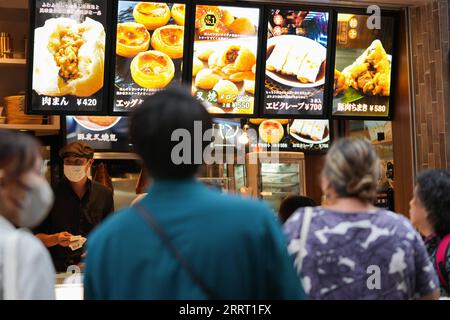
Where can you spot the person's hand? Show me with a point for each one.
(64, 238)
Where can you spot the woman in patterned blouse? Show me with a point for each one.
(351, 249)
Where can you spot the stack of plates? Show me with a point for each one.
(15, 111)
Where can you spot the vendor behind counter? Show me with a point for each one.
(80, 205)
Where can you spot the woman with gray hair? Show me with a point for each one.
(350, 249)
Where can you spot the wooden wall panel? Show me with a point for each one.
(430, 35)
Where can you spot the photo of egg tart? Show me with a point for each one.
(151, 14)
(132, 38)
(242, 58)
(169, 39)
(152, 69)
(226, 91)
(69, 57)
(178, 13)
(271, 131)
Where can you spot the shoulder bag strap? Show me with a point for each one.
(440, 262)
(10, 266)
(148, 217)
(307, 217)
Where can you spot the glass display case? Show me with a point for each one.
(273, 180)
(379, 133)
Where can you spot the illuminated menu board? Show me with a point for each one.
(103, 133)
(296, 60)
(363, 66)
(149, 50)
(303, 135)
(67, 56)
(225, 57)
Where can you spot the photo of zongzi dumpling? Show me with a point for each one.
(371, 71)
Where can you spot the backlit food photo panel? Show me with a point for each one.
(363, 66)
(68, 60)
(296, 60)
(149, 50)
(225, 56)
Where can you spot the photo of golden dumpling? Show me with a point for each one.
(151, 14)
(169, 39)
(243, 26)
(205, 54)
(215, 110)
(226, 91)
(178, 13)
(132, 38)
(213, 60)
(197, 65)
(241, 57)
(69, 57)
(249, 86)
(206, 79)
(152, 69)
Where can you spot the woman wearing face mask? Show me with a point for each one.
(26, 270)
(80, 205)
(429, 211)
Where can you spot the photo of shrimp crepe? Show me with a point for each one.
(68, 57)
(296, 54)
(225, 55)
(149, 50)
(310, 131)
(300, 58)
(290, 134)
(363, 64)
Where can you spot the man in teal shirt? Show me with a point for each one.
(235, 246)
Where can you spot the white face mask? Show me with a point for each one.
(37, 204)
(74, 173)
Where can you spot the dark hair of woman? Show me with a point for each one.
(291, 203)
(433, 190)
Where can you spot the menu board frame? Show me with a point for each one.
(188, 62)
(112, 71)
(326, 111)
(394, 69)
(102, 108)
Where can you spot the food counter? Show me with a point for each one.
(69, 286)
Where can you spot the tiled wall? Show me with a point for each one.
(430, 47)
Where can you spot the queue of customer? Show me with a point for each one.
(183, 240)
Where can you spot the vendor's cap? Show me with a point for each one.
(77, 149)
